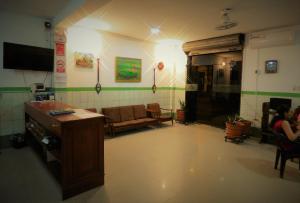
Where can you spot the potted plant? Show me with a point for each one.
(237, 126)
(234, 128)
(245, 124)
(180, 112)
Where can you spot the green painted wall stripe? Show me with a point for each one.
(89, 89)
(86, 89)
(82, 89)
(78, 89)
(179, 88)
(73, 89)
(273, 94)
(14, 89)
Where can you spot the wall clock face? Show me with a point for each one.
(160, 65)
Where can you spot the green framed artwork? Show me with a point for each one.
(128, 69)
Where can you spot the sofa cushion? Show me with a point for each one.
(113, 113)
(127, 123)
(146, 120)
(139, 111)
(126, 113)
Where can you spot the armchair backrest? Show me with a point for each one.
(154, 107)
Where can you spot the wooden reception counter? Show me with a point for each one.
(72, 145)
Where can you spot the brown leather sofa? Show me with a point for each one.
(127, 117)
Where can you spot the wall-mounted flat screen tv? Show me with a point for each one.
(24, 57)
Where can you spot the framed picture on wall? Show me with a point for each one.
(271, 66)
(128, 69)
(84, 60)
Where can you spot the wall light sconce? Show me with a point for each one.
(98, 85)
(154, 85)
(159, 66)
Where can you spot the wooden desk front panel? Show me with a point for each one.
(83, 155)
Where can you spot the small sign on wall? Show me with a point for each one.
(271, 66)
(60, 56)
(60, 49)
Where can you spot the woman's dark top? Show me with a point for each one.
(286, 143)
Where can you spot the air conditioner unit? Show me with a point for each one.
(270, 39)
(215, 45)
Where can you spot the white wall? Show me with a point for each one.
(286, 80)
(107, 47)
(23, 30)
(26, 30)
(180, 77)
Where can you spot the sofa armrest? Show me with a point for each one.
(169, 110)
(108, 120)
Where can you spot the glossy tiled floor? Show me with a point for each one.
(170, 164)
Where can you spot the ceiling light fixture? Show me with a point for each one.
(155, 30)
(226, 22)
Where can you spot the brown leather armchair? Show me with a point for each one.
(156, 112)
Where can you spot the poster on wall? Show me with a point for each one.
(60, 57)
(60, 49)
(128, 69)
(84, 60)
(60, 66)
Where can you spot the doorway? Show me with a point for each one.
(218, 78)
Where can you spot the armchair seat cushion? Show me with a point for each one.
(165, 118)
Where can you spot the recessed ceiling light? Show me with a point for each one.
(155, 30)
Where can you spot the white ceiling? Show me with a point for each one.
(184, 20)
(39, 8)
(189, 20)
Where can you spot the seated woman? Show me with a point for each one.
(281, 124)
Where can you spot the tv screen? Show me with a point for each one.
(277, 102)
(23, 57)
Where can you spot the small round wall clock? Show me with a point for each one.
(160, 65)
